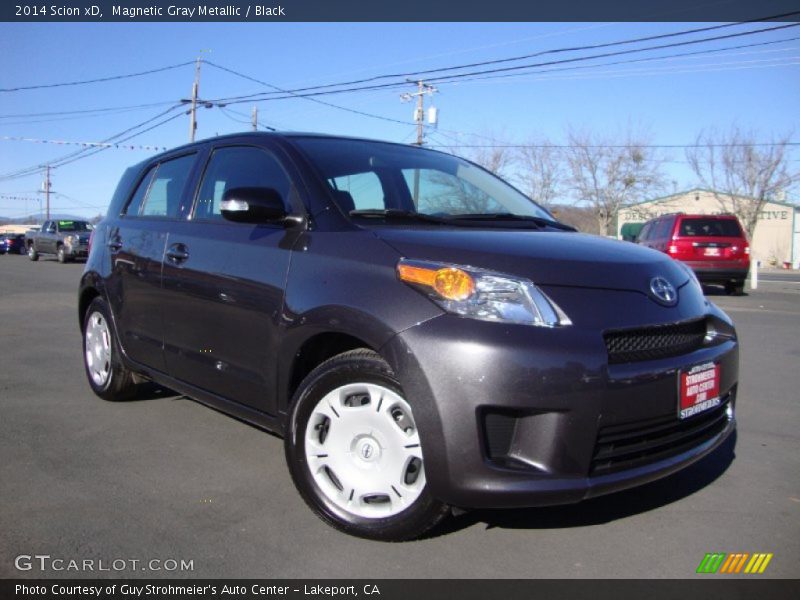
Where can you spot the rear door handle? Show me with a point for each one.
(177, 253)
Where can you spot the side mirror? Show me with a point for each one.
(255, 205)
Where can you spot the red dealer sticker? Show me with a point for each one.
(699, 389)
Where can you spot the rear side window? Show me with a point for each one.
(645, 233)
(662, 229)
(710, 228)
(234, 167)
(164, 195)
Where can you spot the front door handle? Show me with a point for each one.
(177, 253)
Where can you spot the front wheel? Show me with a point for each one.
(32, 253)
(108, 377)
(354, 451)
(62, 255)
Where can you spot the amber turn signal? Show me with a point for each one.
(450, 283)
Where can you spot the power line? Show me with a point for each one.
(418, 74)
(293, 95)
(308, 94)
(563, 146)
(71, 157)
(87, 110)
(631, 61)
(96, 80)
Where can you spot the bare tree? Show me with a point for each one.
(542, 171)
(742, 174)
(608, 173)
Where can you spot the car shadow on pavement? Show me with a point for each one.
(153, 391)
(717, 290)
(604, 508)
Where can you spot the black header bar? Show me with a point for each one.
(393, 10)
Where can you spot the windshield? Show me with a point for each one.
(367, 175)
(74, 226)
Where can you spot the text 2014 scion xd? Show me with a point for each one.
(422, 334)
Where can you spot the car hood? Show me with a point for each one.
(545, 257)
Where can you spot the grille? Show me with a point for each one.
(650, 343)
(621, 447)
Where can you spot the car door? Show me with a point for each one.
(224, 282)
(136, 246)
(47, 237)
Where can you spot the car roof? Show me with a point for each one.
(284, 135)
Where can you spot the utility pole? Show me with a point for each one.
(419, 113)
(46, 186)
(419, 116)
(255, 118)
(193, 109)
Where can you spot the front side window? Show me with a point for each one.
(235, 167)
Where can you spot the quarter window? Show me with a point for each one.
(135, 205)
(235, 167)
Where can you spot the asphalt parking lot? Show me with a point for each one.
(167, 478)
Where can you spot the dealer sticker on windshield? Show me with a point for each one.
(699, 389)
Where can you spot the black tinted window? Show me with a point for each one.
(238, 167)
(710, 228)
(662, 229)
(164, 196)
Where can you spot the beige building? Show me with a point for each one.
(777, 235)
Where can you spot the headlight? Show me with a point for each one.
(71, 240)
(484, 295)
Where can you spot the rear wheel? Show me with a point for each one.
(107, 376)
(354, 451)
(32, 253)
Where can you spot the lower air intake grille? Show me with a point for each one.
(651, 343)
(631, 445)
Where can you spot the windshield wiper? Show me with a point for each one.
(395, 213)
(541, 221)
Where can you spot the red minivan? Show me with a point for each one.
(714, 246)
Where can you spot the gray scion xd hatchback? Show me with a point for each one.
(422, 334)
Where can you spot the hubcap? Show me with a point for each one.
(97, 349)
(363, 450)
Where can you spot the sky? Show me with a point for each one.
(672, 100)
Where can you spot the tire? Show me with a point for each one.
(61, 254)
(32, 253)
(107, 376)
(350, 428)
(735, 288)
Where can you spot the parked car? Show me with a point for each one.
(422, 334)
(67, 239)
(714, 246)
(12, 243)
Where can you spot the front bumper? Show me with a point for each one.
(77, 251)
(517, 416)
